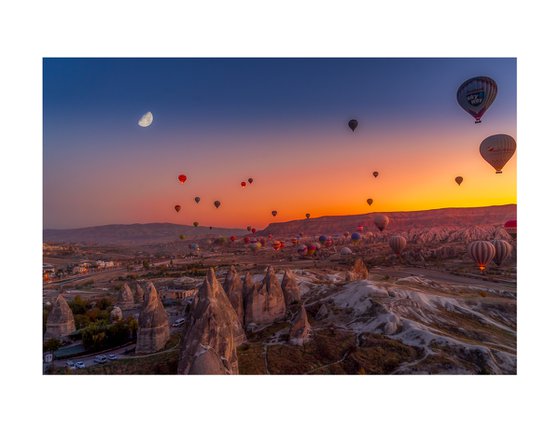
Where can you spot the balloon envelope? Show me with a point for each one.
(182, 178)
(476, 95)
(243, 184)
(503, 251)
(197, 199)
(381, 222)
(195, 224)
(459, 180)
(217, 204)
(307, 215)
(511, 228)
(375, 173)
(250, 180)
(397, 244)
(482, 252)
(274, 213)
(369, 201)
(177, 208)
(353, 124)
(497, 150)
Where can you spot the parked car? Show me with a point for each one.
(178, 322)
(100, 359)
(70, 363)
(79, 364)
(112, 357)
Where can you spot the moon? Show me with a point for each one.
(146, 120)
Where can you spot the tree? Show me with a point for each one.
(51, 345)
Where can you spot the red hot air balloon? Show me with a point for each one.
(476, 95)
(243, 184)
(511, 228)
(360, 228)
(397, 244)
(182, 178)
(254, 230)
(246, 239)
(250, 180)
(232, 238)
(353, 124)
(482, 252)
(177, 208)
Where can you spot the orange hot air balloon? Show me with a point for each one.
(217, 204)
(197, 199)
(177, 208)
(182, 178)
(497, 150)
(243, 184)
(250, 180)
(195, 224)
(274, 213)
(307, 215)
(369, 201)
(397, 244)
(375, 173)
(482, 252)
(381, 222)
(459, 180)
(503, 251)
(476, 95)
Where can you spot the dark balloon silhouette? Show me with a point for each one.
(177, 208)
(307, 215)
(217, 204)
(195, 224)
(476, 95)
(274, 213)
(459, 180)
(197, 199)
(353, 124)
(369, 201)
(375, 173)
(248, 228)
(250, 180)
(253, 230)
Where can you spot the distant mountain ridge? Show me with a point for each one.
(134, 234)
(453, 218)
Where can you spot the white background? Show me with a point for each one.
(30, 31)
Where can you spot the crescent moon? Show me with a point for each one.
(146, 120)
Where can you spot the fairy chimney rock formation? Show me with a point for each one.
(358, 272)
(234, 290)
(212, 334)
(265, 303)
(60, 321)
(139, 294)
(300, 331)
(290, 288)
(126, 299)
(153, 323)
(116, 314)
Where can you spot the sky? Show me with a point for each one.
(283, 122)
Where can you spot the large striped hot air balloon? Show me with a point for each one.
(397, 244)
(482, 252)
(476, 95)
(381, 222)
(497, 150)
(511, 228)
(503, 251)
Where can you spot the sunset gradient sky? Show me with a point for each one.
(282, 122)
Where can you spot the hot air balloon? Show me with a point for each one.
(276, 245)
(302, 250)
(181, 237)
(253, 230)
(193, 247)
(217, 204)
(246, 239)
(369, 201)
(307, 215)
(329, 242)
(497, 150)
(476, 95)
(503, 251)
(511, 228)
(182, 178)
(248, 228)
(243, 184)
(375, 173)
(177, 208)
(322, 239)
(360, 229)
(355, 237)
(197, 199)
(482, 253)
(381, 221)
(195, 223)
(270, 236)
(353, 124)
(397, 244)
(255, 246)
(459, 180)
(233, 238)
(274, 213)
(346, 234)
(250, 180)
(311, 249)
(210, 227)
